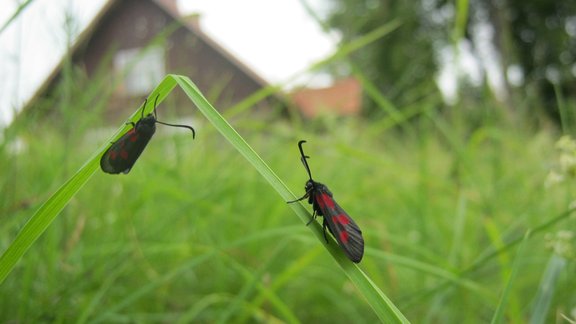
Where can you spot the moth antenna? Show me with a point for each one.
(155, 103)
(303, 158)
(143, 108)
(173, 125)
(181, 126)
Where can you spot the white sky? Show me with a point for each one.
(35, 42)
(292, 40)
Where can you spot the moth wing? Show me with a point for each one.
(342, 226)
(122, 155)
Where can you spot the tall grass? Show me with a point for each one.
(186, 236)
(51, 208)
(457, 220)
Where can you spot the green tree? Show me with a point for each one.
(538, 37)
(403, 63)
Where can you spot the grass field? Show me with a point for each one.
(194, 233)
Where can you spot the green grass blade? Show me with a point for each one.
(501, 308)
(44, 216)
(462, 8)
(149, 288)
(548, 285)
(381, 305)
(40, 221)
(298, 266)
(536, 230)
(253, 282)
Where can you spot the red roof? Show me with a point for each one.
(344, 97)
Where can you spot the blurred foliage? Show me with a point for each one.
(537, 36)
(400, 64)
(194, 233)
(186, 237)
(543, 35)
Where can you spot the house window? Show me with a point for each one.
(142, 69)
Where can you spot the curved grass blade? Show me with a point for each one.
(44, 216)
(498, 316)
(382, 306)
(40, 221)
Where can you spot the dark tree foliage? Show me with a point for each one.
(539, 36)
(401, 64)
(545, 35)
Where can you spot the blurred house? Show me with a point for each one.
(344, 97)
(133, 44)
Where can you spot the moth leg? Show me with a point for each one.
(313, 217)
(299, 199)
(306, 195)
(324, 225)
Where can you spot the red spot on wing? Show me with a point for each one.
(325, 201)
(113, 155)
(342, 219)
(124, 154)
(344, 237)
(134, 137)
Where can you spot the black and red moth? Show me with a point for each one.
(339, 223)
(123, 153)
